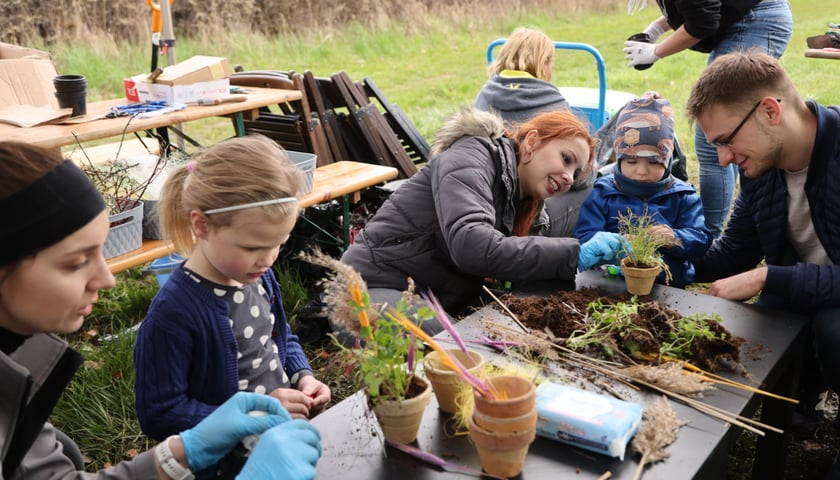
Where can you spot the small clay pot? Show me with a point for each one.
(445, 382)
(517, 397)
(639, 281)
(400, 420)
(501, 453)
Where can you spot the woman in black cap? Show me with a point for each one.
(54, 229)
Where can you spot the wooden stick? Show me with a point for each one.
(525, 329)
(723, 380)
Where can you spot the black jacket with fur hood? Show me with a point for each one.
(450, 226)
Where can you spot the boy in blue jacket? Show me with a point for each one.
(642, 183)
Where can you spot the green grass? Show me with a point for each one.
(97, 408)
(429, 70)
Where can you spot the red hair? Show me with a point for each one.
(548, 125)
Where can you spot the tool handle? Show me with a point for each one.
(219, 101)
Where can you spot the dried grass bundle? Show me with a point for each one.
(341, 282)
(535, 342)
(659, 429)
(670, 376)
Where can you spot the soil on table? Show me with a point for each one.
(567, 312)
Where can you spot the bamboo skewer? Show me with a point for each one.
(723, 380)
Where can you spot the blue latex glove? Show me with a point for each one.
(602, 247)
(288, 451)
(206, 443)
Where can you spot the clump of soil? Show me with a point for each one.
(569, 313)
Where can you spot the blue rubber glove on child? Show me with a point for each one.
(602, 247)
(209, 441)
(288, 451)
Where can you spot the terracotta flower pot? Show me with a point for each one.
(506, 424)
(639, 281)
(445, 383)
(517, 397)
(501, 453)
(400, 420)
(503, 428)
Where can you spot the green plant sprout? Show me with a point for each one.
(386, 363)
(606, 321)
(640, 246)
(687, 330)
(614, 325)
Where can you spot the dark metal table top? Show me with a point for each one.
(353, 446)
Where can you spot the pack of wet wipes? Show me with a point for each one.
(588, 420)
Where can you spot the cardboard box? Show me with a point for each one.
(27, 76)
(197, 78)
(195, 69)
(138, 89)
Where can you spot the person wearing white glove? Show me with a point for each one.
(715, 27)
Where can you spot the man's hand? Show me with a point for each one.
(741, 287)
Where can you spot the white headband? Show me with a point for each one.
(251, 205)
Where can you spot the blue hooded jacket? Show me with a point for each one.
(677, 206)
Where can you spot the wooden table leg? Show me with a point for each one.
(345, 220)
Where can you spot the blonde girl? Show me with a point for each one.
(218, 326)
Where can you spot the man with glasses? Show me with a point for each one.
(787, 213)
(716, 27)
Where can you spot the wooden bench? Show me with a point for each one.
(344, 180)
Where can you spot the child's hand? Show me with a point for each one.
(317, 391)
(295, 401)
(664, 233)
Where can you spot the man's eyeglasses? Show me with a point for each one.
(727, 142)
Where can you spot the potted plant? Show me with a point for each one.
(642, 260)
(122, 193)
(386, 355)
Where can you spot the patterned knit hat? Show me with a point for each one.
(645, 130)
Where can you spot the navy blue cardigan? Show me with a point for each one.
(185, 356)
(757, 228)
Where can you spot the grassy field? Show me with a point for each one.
(429, 72)
(429, 68)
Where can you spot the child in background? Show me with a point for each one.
(520, 79)
(642, 182)
(217, 326)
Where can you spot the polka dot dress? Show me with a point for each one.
(252, 322)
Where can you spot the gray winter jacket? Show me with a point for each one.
(24, 374)
(518, 98)
(450, 226)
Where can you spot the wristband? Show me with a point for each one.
(169, 464)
